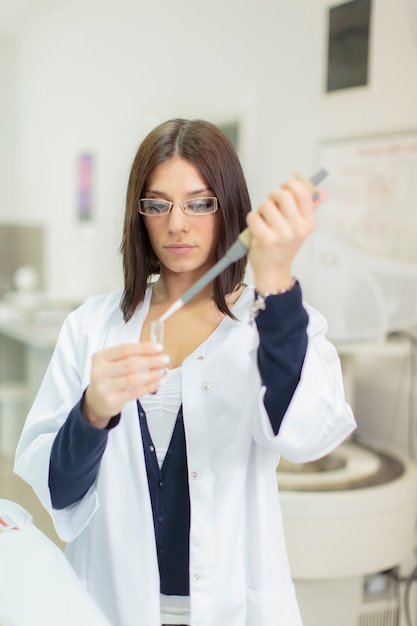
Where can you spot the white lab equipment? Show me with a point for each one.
(363, 296)
(347, 518)
(38, 587)
(350, 520)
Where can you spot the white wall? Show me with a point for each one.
(94, 76)
(7, 126)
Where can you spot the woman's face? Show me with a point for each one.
(183, 243)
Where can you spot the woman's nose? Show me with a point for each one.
(177, 219)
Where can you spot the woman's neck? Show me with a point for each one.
(167, 290)
(165, 293)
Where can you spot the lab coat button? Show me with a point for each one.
(200, 358)
(196, 577)
(194, 474)
(208, 387)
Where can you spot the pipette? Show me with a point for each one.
(234, 253)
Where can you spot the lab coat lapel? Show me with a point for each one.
(130, 331)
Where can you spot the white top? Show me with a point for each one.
(161, 411)
(175, 610)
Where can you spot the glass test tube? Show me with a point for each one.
(157, 332)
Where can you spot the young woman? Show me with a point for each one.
(158, 463)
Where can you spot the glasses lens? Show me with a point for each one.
(154, 207)
(201, 206)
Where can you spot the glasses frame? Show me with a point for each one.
(170, 206)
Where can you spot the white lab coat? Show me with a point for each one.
(239, 572)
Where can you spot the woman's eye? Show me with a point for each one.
(156, 208)
(200, 205)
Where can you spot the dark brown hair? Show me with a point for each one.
(207, 148)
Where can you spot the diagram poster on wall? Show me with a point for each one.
(372, 193)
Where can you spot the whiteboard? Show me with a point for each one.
(372, 193)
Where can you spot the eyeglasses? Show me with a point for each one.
(195, 206)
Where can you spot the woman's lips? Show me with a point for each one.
(179, 248)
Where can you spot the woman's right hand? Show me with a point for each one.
(120, 374)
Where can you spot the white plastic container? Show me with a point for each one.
(38, 586)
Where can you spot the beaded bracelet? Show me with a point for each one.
(259, 303)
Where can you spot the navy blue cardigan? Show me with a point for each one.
(78, 448)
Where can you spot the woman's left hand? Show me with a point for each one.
(278, 229)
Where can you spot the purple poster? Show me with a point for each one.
(85, 162)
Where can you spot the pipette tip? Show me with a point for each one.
(172, 309)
